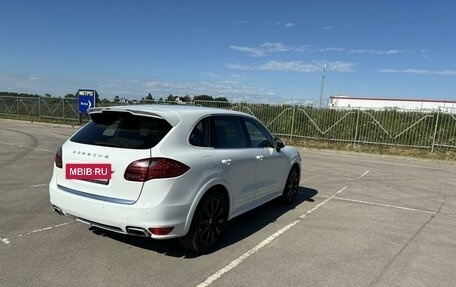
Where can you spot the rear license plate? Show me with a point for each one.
(97, 171)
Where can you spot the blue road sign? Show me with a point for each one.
(86, 99)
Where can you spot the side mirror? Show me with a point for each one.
(279, 144)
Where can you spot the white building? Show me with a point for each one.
(344, 102)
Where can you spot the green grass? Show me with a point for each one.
(438, 154)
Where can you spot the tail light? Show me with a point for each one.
(58, 158)
(150, 168)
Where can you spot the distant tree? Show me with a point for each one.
(203, 98)
(149, 97)
(161, 99)
(116, 99)
(221, 99)
(48, 95)
(171, 98)
(186, 99)
(69, 96)
(22, 95)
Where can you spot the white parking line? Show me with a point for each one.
(244, 256)
(382, 204)
(27, 147)
(263, 243)
(8, 240)
(39, 185)
(364, 174)
(323, 202)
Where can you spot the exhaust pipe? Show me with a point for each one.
(58, 210)
(138, 231)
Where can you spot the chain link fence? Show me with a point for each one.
(405, 128)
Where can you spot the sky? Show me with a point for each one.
(256, 51)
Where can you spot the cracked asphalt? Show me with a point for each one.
(360, 220)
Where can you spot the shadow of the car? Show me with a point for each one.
(251, 222)
(238, 229)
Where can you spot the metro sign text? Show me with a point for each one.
(88, 171)
(85, 93)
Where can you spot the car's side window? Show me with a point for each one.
(228, 133)
(200, 134)
(259, 136)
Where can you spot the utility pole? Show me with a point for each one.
(323, 74)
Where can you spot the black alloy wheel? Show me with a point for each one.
(291, 187)
(208, 225)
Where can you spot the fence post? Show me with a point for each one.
(435, 132)
(17, 106)
(63, 103)
(39, 107)
(356, 128)
(292, 122)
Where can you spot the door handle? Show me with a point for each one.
(226, 161)
(259, 157)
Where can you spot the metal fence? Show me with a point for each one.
(405, 128)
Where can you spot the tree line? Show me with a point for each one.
(185, 99)
(117, 99)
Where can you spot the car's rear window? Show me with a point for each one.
(123, 130)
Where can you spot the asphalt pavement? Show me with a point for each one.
(359, 220)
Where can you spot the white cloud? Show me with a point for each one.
(446, 72)
(416, 71)
(340, 66)
(267, 48)
(211, 75)
(286, 25)
(420, 72)
(254, 52)
(226, 87)
(277, 47)
(36, 77)
(295, 66)
(289, 25)
(388, 71)
(239, 66)
(328, 49)
(377, 52)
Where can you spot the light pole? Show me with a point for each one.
(323, 74)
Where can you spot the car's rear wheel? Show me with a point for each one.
(208, 224)
(291, 186)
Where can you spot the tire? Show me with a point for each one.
(208, 224)
(291, 186)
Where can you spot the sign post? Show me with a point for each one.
(86, 100)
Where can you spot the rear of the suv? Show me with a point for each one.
(171, 171)
(145, 194)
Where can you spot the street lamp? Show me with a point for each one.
(323, 74)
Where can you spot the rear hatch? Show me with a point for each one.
(115, 137)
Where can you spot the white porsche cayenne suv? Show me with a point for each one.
(165, 171)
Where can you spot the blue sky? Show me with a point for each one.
(254, 51)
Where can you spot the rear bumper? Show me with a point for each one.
(118, 217)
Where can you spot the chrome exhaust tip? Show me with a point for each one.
(58, 210)
(137, 231)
